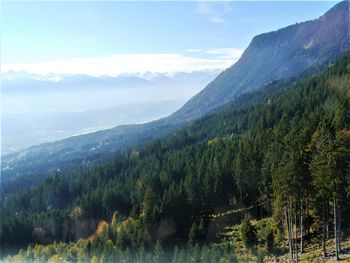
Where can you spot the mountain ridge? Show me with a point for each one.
(216, 94)
(289, 50)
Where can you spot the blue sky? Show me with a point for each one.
(118, 37)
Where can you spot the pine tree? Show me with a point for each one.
(193, 234)
(248, 233)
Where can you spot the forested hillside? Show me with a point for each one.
(280, 155)
(280, 54)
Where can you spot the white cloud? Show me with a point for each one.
(216, 20)
(133, 63)
(214, 11)
(194, 50)
(225, 52)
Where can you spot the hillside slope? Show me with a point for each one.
(275, 55)
(283, 145)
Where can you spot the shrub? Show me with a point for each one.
(248, 233)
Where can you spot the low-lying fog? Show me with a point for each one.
(37, 109)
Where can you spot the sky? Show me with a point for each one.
(111, 38)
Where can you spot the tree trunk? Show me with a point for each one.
(301, 227)
(291, 227)
(296, 234)
(339, 230)
(288, 229)
(335, 227)
(327, 220)
(324, 229)
(307, 218)
(240, 197)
